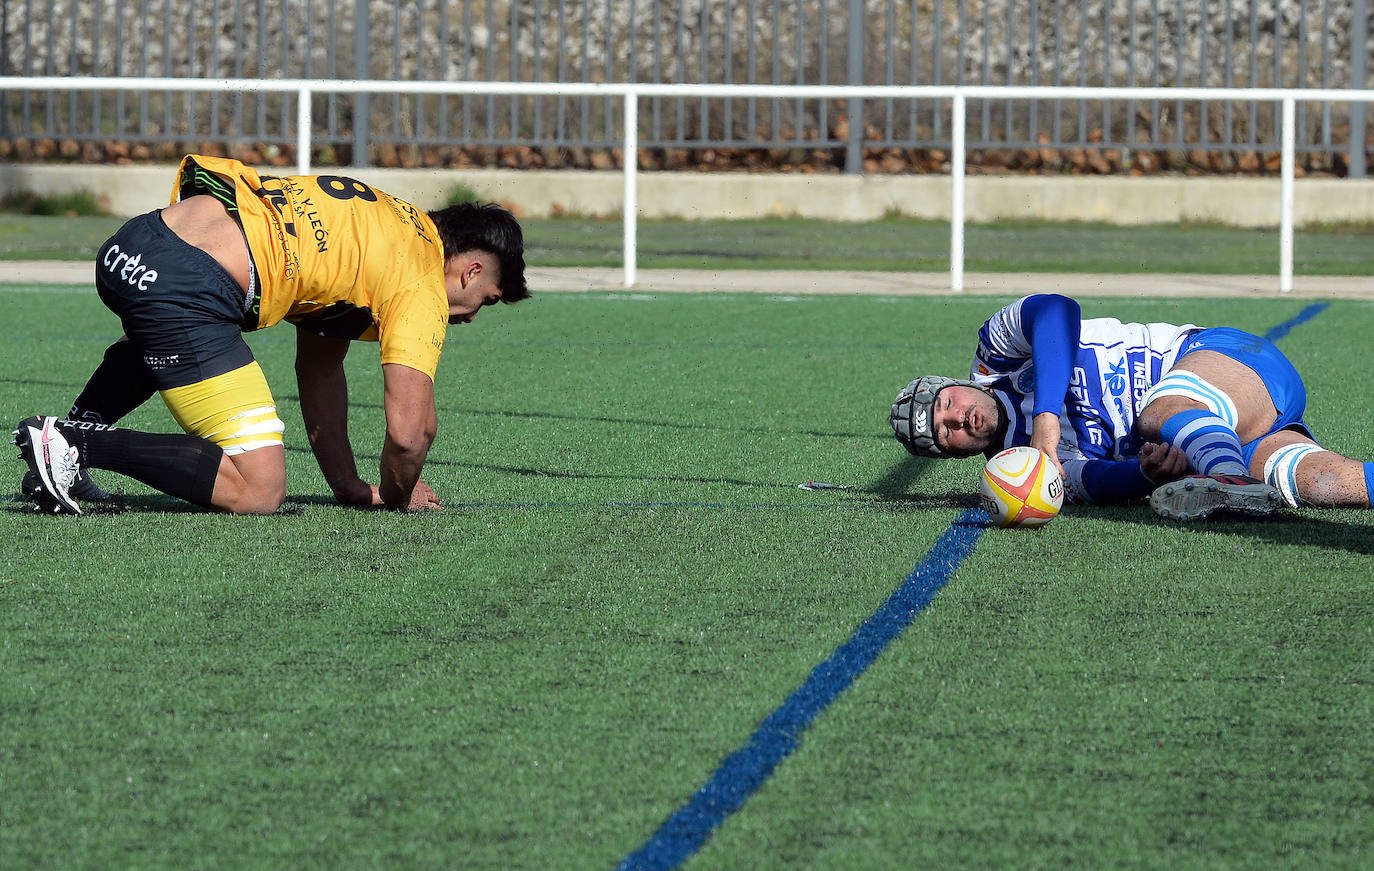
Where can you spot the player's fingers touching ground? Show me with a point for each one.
(423, 498)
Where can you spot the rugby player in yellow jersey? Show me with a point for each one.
(238, 251)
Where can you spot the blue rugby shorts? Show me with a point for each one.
(1262, 356)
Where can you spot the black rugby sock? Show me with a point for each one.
(118, 385)
(178, 464)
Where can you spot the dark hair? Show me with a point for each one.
(490, 228)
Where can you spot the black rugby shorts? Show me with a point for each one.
(181, 309)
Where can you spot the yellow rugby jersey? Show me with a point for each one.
(334, 256)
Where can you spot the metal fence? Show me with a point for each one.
(1110, 43)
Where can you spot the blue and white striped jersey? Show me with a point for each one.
(1113, 365)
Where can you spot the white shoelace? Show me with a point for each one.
(64, 468)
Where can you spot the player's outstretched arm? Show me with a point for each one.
(1052, 324)
(411, 423)
(324, 408)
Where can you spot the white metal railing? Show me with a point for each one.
(631, 93)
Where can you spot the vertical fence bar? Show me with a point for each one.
(215, 68)
(560, 106)
(776, 105)
(119, 69)
(1203, 68)
(1302, 63)
(143, 68)
(395, 72)
(1326, 77)
(889, 132)
(513, 40)
(956, 195)
(190, 100)
(1254, 75)
(798, 107)
(1107, 41)
(936, 54)
(441, 126)
(303, 124)
(167, 71)
(286, 71)
(823, 73)
(1008, 106)
(681, 50)
(703, 73)
(74, 70)
(608, 73)
(332, 108)
(258, 67)
(96, 99)
(6, 66)
(727, 60)
(584, 118)
(1228, 79)
(1154, 71)
(1359, 37)
(655, 75)
(537, 111)
(1033, 108)
(853, 149)
(239, 130)
(985, 78)
(1181, 35)
(361, 70)
(1286, 196)
(914, 69)
(751, 63)
(631, 160)
(1130, 72)
(467, 69)
(1057, 121)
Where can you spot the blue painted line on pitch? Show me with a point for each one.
(744, 771)
(1302, 317)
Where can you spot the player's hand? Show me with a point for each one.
(1163, 463)
(1045, 436)
(358, 494)
(423, 498)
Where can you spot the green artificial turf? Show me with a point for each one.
(627, 581)
(891, 244)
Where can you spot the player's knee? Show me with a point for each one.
(1153, 416)
(256, 484)
(1148, 422)
(268, 504)
(268, 496)
(257, 499)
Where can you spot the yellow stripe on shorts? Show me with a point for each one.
(234, 410)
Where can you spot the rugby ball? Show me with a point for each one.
(1021, 488)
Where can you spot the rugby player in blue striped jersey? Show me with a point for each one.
(1199, 420)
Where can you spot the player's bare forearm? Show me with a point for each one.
(1045, 436)
(400, 473)
(323, 391)
(411, 424)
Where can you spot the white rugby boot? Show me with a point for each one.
(52, 460)
(84, 488)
